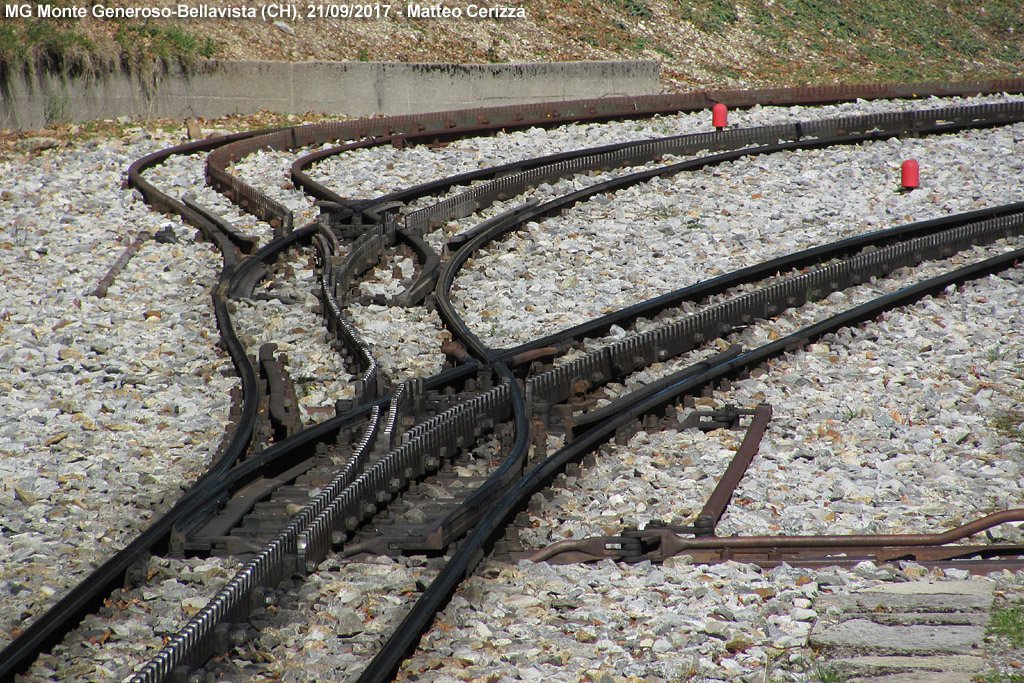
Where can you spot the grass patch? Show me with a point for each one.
(996, 677)
(890, 39)
(55, 111)
(994, 354)
(711, 16)
(1002, 16)
(634, 8)
(10, 44)
(664, 51)
(610, 33)
(1008, 424)
(60, 47)
(826, 673)
(851, 414)
(49, 45)
(1009, 623)
(141, 43)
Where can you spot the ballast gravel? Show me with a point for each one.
(108, 406)
(112, 405)
(869, 435)
(650, 239)
(283, 312)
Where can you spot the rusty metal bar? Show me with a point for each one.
(283, 404)
(577, 550)
(119, 265)
(720, 497)
(659, 544)
(673, 544)
(854, 554)
(977, 559)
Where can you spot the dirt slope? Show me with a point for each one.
(699, 42)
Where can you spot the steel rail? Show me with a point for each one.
(194, 643)
(539, 386)
(60, 619)
(387, 661)
(555, 206)
(630, 107)
(234, 279)
(437, 126)
(429, 189)
(657, 544)
(673, 544)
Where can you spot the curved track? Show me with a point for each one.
(392, 438)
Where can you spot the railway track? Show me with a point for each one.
(438, 466)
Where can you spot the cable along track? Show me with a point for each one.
(399, 439)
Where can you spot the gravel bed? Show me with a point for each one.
(132, 627)
(115, 399)
(186, 174)
(641, 242)
(618, 623)
(269, 171)
(842, 461)
(289, 319)
(327, 628)
(405, 341)
(62, 353)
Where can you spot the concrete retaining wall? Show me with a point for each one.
(340, 88)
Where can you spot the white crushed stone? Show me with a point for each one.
(611, 622)
(290, 321)
(648, 240)
(108, 407)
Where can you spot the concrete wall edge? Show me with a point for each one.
(216, 88)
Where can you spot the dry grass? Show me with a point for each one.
(713, 43)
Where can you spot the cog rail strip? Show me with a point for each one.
(389, 452)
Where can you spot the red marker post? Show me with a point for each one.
(910, 175)
(719, 116)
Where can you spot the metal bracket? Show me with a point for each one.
(719, 418)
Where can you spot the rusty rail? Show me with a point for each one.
(427, 127)
(446, 125)
(720, 497)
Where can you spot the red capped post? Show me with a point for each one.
(910, 175)
(719, 116)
